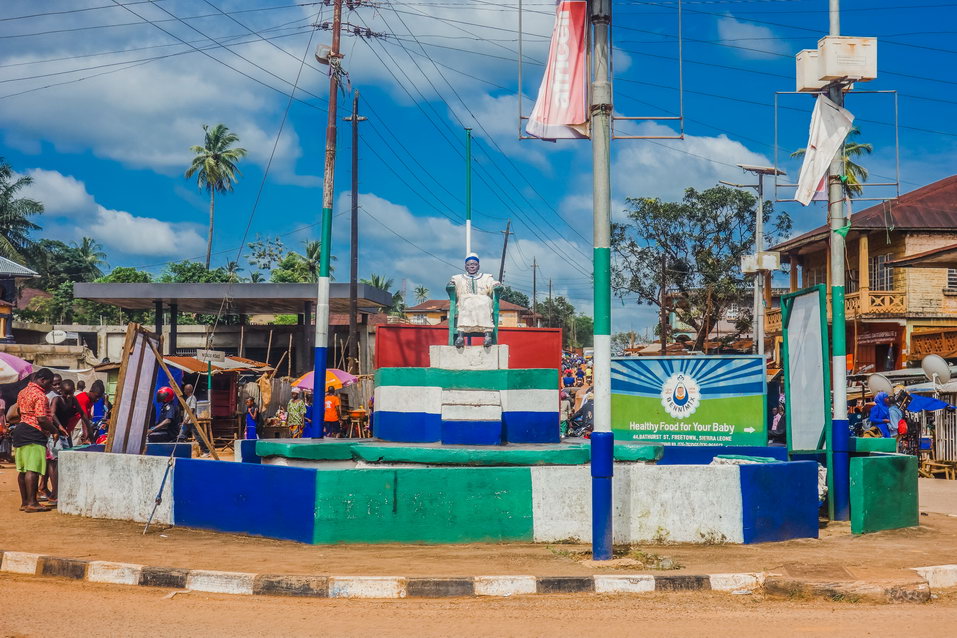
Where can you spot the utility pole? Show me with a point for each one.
(840, 436)
(501, 266)
(663, 303)
(468, 191)
(320, 353)
(602, 440)
(550, 302)
(355, 118)
(535, 290)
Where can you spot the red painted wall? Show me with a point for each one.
(407, 346)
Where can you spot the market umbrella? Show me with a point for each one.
(13, 369)
(334, 377)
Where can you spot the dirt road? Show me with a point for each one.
(86, 609)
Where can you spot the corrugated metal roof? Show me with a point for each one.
(10, 267)
(230, 364)
(931, 207)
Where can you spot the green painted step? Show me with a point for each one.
(517, 379)
(331, 450)
(637, 452)
(474, 456)
(873, 444)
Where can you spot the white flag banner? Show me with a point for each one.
(830, 125)
(560, 110)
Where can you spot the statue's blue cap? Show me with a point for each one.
(471, 257)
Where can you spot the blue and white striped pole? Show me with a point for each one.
(320, 358)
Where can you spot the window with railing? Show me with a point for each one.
(853, 278)
(816, 276)
(881, 275)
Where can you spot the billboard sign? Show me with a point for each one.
(696, 400)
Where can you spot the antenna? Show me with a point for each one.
(877, 383)
(936, 369)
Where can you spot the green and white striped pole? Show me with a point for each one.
(468, 191)
(602, 441)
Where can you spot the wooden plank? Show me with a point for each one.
(120, 384)
(182, 401)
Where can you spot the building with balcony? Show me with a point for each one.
(885, 304)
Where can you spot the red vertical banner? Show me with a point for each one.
(560, 110)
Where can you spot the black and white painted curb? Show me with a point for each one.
(220, 582)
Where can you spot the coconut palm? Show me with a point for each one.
(378, 281)
(233, 269)
(91, 254)
(15, 213)
(214, 166)
(421, 294)
(856, 174)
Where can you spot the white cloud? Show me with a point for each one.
(76, 213)
(759, 42)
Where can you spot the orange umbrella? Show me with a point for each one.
(334, 377)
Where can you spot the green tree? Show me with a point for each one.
(518, 298)
(265, 252)
(15, 215)
(698, 243)
(233, 269)
(397, 306)
(57, 263)
(856, 173)
(214, 165)
(421, 294)
(92, 256)
(193, 272)
(300, 267)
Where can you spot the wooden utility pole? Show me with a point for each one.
(501, 266)
(353, 363)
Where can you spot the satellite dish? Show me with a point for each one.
(877, 383)
(935, 368)
(55, 337)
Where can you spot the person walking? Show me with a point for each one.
(30, 438)
(187, 428)
(252, 418)
(331, 413)
(296, 416)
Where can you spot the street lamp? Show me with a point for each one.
(757, 263)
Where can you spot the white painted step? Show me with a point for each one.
(469, 357)
(471, 413)
(471, 397)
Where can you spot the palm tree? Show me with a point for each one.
(421, 294)
(256, 278)
(233, 269)
(92, 256)
(378, 281)
(15, 213)
(856, 174)
(214, 166)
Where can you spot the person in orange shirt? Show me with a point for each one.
(331, 413)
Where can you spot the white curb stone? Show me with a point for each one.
(939, 575)
(504, 585)
(731, 582)
(366, 587)
(19, 563)
(220, 582)
(620, 584)
(101, 571)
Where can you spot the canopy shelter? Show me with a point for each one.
(228, 364)
(228, 299)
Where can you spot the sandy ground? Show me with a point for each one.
(87, 609)
(938, 495)
(836, 553)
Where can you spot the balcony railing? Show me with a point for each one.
(870, 304)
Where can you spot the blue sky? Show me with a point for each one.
(99, 106)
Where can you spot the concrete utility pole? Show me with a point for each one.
(468, 191)
(328, 192)
(840, 435)
(550, 302)
(535, 290)
(501, 266)
(663, 307)
(602, 440)
(355, 118)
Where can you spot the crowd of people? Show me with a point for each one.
(50, 414)
(576, 410)
(297, 416)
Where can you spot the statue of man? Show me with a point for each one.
(473, 294)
